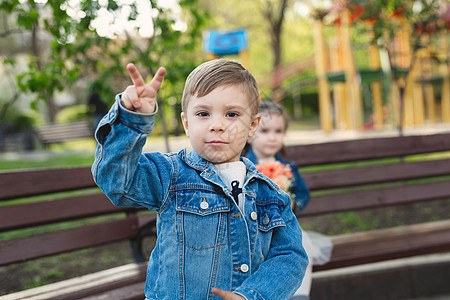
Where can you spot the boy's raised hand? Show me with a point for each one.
(141, 97)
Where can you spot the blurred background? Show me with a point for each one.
(336, 66)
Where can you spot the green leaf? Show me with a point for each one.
(33, 105)
(9, 61)
(112, 5)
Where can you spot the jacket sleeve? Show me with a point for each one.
(123, 173)
(281, 274)
(299, 189)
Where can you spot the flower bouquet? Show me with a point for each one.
(279, 173)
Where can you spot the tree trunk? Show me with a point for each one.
(51, 107)
(275, 17)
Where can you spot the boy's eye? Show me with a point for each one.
(202, 114)
(263, 130)
(232, 114)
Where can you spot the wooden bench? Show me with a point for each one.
(379, 172)
(57, 133)
(356, 186)
(116, 224)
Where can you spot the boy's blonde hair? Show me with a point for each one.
(220, 72)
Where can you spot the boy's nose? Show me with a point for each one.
(216, 125)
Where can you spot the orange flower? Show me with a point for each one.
(278, 172)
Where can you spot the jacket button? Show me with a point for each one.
(254, 215)
(204, 205)
(244, 268)
(266, 220)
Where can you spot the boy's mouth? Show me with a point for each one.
(216, 143)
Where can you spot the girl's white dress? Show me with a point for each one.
(319, 248)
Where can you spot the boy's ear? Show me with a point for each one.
(254, 125)
(185, 123)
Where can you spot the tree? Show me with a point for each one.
(76, 50)
(274, 13)
(264, 27)
(389, 17)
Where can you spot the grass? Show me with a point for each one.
(69, 154)
(50, 161)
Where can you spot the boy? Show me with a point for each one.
(224, 229)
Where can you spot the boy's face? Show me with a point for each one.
(268, 139)
(219, 124)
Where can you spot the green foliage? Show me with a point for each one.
(16, 121)
(72, 114)
(424, 16)
(77, 51)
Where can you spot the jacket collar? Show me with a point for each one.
(209, 171)
(194, 160)
(197, 162)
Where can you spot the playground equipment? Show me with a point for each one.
(411, 78)
(219, 43)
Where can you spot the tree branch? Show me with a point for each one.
(11, 101)
(7, 30)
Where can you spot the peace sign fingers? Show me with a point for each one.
(158, 79)
(141, 97)
(136, 77)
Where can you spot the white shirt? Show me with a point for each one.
(233, 175)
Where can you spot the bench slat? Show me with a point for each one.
(44, 181)
(124, 283)
(46, 212)
(68, 130)
(376, 148)
(391, 243)
(60, 241)
(64, 125)
(132, 292)
(64, 132)
(380, 197)
(357, 176)
(60, 137)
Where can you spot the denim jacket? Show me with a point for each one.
(204, 240)
(299, 189)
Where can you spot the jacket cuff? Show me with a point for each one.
(139, 121)
(248, 293)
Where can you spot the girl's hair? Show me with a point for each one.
(272, 107)
(220, 72)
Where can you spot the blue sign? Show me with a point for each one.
(222, 43)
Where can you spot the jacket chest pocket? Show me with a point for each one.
(269, 215)
(201, 219)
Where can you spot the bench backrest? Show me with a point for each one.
(388, 163)
(332, 191)
(52, 207)
(56, 133)
(376, 173)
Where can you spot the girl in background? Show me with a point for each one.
(265, 149)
